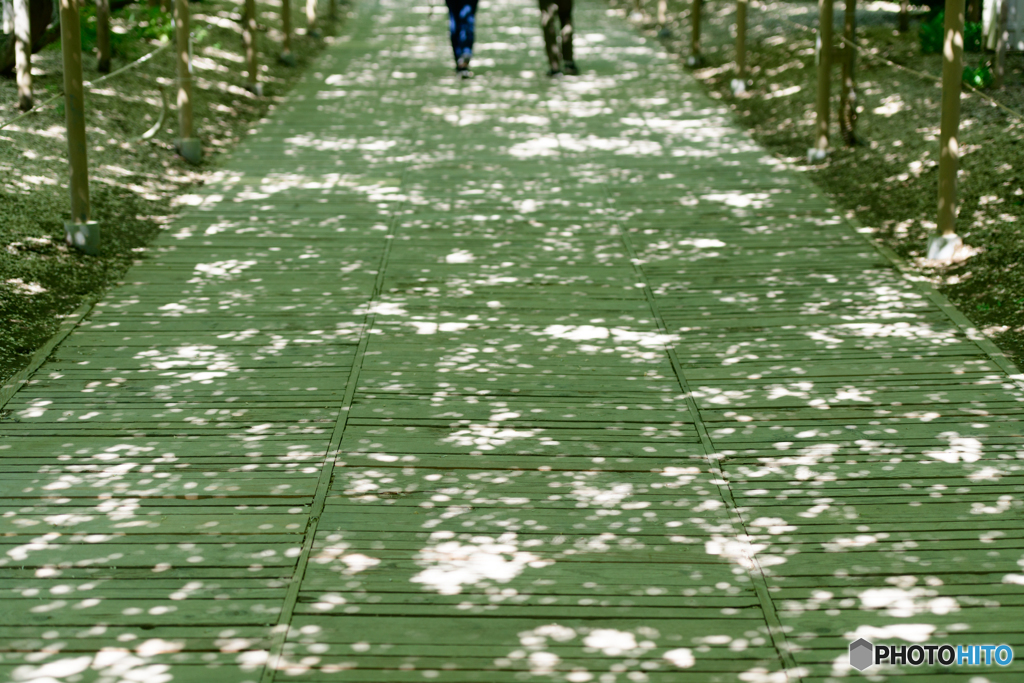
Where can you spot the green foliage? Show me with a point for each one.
(88, 19)
(932, 30)
(972, 36)
(930, 33)
(144, 24)
(979, 78)
(149, 23)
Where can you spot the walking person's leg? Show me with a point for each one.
(461, 20)
(549, 11)
(565, 18)
(468, 36)
(453, 24)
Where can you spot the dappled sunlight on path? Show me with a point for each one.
(506, 380)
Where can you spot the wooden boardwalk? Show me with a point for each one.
(508, 380)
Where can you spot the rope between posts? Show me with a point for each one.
(871, 55)
(91, 84)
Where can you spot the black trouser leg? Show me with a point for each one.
(549, 12)
(565, 18)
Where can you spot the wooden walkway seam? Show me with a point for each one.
(776, 629)
(66, 327)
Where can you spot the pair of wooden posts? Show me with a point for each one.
(945, 242)
(286, 55)
(81, 231)
(22, 52)
(23, 46)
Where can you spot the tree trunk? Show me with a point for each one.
(1002, 36)
(311, 29)
(74, 110)
(103, 36)
(286, 29)
(974, 10)
(848, 97)
(949, 148)
(824, 59)
(696, 58)
(741, 40)
(23, 53)
(249, 42)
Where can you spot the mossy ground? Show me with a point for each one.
(133, 183)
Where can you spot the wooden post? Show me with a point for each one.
(103, 36)
(1002, 37)
(249, 40)
(823, 56)
(80, 231)
(311, 29)
(695, 58)
(904, 16)
(663, 30)
(23, 53)
(944, 244)
(739, 84)
(848, 97)
(188, 145)
(332, 10)
(286, 56)
(973, 12)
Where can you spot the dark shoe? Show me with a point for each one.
(570, 69)
(555, 73)
(464, 73)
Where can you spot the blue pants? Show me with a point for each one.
(461, 21)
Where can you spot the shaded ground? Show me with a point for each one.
(134, 183)
(890, 182)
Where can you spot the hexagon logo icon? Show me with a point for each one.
(861, 654)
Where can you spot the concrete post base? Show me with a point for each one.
(190, 149)
(942, 247)
(83, 236)
(255, 88)
(694, 61)
(738, 86)
(816, 156)
(287, 58)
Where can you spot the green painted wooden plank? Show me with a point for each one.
(136, 611)
(18, 523)
(183, 673)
